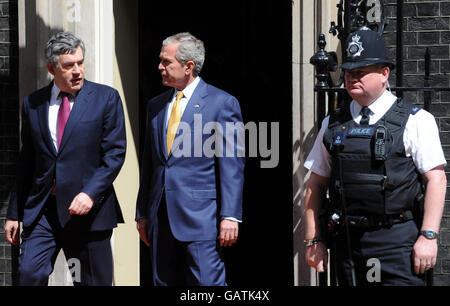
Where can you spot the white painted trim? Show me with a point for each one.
(104, 24)
(97, 54)
(104, 52)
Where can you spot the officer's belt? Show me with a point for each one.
(379, 220)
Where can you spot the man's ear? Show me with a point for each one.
(51, 68)
(190, 65)
(385, 71)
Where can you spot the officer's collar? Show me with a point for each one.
(379, 105)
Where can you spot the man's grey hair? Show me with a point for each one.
(190, 49)
(62, 43)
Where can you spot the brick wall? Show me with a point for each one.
(9, 126)
(426, 24)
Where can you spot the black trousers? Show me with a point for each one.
(381, 256)
(88, 254)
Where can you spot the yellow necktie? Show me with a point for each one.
(174, 122)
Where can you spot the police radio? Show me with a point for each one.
(380, 143)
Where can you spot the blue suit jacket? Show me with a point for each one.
(199, 189)
(91, 155)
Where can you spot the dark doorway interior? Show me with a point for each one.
(248, 54)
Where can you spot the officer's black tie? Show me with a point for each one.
(365, 111)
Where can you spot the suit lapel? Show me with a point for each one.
(80, 106)
(160, 128)
(195, 104)
(42, 111)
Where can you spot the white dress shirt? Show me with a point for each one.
(55, 103)
(420, 138)
(187, 94)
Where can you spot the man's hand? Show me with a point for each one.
(424, 254)
(142, 227)
(317, 256)
(81, 205)
(12, 231)
(229, 231)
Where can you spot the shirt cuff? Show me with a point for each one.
(232, 219)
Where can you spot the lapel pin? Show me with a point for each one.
(197, 106)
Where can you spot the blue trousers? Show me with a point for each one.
(177, 263)
(388, 249)
(89, 254)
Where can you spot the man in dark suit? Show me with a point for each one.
(190, 197)
(73, 147)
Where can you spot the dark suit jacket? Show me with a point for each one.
(198, 189)
(90, 157)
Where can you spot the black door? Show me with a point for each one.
(249, 55)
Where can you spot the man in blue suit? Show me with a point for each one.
(190, 201)
(73, 147)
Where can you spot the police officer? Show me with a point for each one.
(379, 157)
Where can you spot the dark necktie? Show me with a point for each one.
(365, 111)
(63, 116)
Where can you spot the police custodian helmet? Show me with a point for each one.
(365, 47)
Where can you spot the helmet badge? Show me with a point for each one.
(355, 47)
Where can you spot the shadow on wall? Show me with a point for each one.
(301, 150)
(127, 38)
(33, 75)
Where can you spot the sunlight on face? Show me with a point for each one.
(69, 71)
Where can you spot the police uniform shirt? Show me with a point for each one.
(421, 138)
